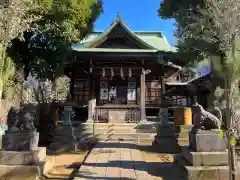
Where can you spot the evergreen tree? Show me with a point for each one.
(46, 49)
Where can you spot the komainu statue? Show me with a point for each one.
(20, 121)
(205, 120)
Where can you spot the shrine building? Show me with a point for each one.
(119, 75)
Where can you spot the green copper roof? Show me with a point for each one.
(152, 40)
(115, 50)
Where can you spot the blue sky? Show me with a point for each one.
(140, 15)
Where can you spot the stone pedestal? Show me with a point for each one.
(20, 157)
(206, 157)
(20, 141)
(207, 141)
(22, 165)
(181, 134)
(165, 139)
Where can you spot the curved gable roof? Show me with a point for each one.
(149, 40)
(120, 22)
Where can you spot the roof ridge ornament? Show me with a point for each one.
(118, 17)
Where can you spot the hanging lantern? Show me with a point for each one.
(103, 72)
(130, 72)
(121, 72)
(91, 69)
(112, 72)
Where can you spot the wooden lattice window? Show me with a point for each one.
(81, 91)
(132, 92)
(153, 91)
(104, 90)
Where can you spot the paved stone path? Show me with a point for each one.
(114, 161)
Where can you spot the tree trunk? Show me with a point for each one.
(229, 112)
(54, 89)
(1, 88)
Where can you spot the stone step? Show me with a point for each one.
(180, 160)
(59, 147)
(126, 135)
(100, 136)
(34, 157)
(167, 145)
(120, 129)
(165, 133)
(182, 128)
(205, 158)
(86, 125)
(20, 172)
(182, 135)
(132, 125)
(183, 141)
(207, 172)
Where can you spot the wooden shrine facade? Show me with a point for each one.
(196, 90)
(118, 76)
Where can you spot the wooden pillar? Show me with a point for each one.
(91, 94)
(90, 99)
(142, 97)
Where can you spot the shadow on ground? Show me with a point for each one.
(162, 166)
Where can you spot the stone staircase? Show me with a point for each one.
(92, 132)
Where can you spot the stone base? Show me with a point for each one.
(34, 157)
(166, 144)
(205, 158)
(182, 128)
(181, 134)
(207, 141)
(182, 141)
(19, 172)
(207, 173)
(164, 130)
(20, 141)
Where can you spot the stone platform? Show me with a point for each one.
(114, 160)
(206, 157)
(207, 141)
(208, 173)
(22, 165)
(19, 172)
(20, 141)
(181, 135)
(35, 157)
(165, 139)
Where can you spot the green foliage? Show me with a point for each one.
(194, 27)
(62, 90)
(7, 66)
(15, 18)
(46, 50)
(7, 69)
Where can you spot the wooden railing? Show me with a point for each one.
(128, 115)
(133, 116)
(101, 115)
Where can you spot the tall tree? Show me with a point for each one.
(212, 27)
(46, 50)
(226, 19)
(15, 19)
(194, 26)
